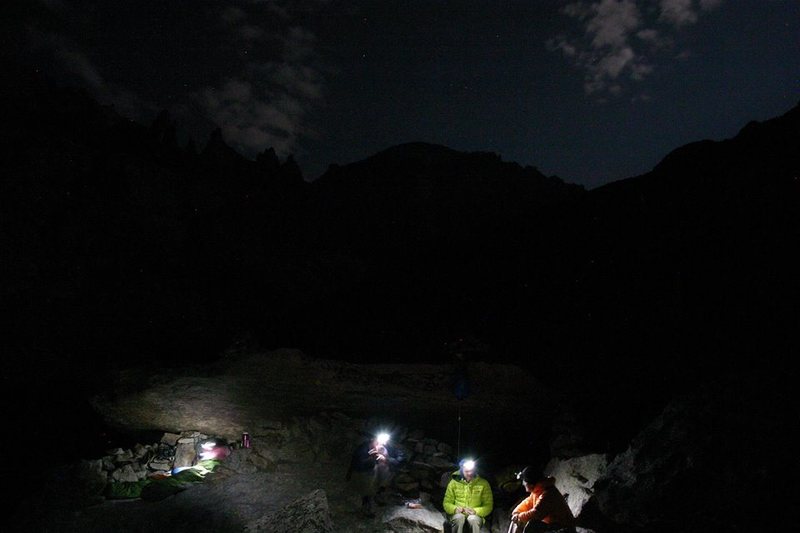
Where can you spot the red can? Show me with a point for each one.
(245, 440)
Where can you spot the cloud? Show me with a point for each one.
(260, 85)
(269, 103)
(77, 63)
(249, 120)
(611, 23)
(270, 113)
(76, 67)
(678, 12)
(616, 43)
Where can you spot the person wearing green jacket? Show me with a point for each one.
(467, 499)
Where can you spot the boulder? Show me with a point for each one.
(707, 455)
(305, 514)
(425, 519)
(575, 477)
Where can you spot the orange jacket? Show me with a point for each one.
(545, 503)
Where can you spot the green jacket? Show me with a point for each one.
(476, 494)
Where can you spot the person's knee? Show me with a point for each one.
(475, 522)
(457, 523)
(458, 519)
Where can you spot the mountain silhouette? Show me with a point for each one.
(123, 248)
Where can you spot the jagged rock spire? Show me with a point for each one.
(268, 159)
(290, 169)
(164, 130)
(215, 141)
(218, 149)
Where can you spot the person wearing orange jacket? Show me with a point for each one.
(544, 509)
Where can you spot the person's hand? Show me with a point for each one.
(378, 451)
(380, 458)
(515, 517)
(459, 510)
(469, 511)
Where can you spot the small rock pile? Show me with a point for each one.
(428, 460)
(149, 460)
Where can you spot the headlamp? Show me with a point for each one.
(209, 448)
(382, 438)
(469, 464)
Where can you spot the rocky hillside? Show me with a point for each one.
(306, 416)
(127, 253)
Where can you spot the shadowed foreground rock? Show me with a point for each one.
(716, 458)
(309, 513)
(404, 520)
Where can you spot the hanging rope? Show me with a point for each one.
(461, 385)
(458, 444)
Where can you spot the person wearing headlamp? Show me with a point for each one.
(468, 499)
(544, 509)
(371, 468)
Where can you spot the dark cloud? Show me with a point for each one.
(73, 64)
(616, 42)
(270, 102)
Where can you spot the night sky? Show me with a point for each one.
(591, 91)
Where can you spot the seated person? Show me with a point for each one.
(468, 499)
(371, 469)
(545, 508)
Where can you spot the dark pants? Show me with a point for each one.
(537, 526)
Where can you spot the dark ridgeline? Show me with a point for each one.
(439, 243)
(123, 248)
